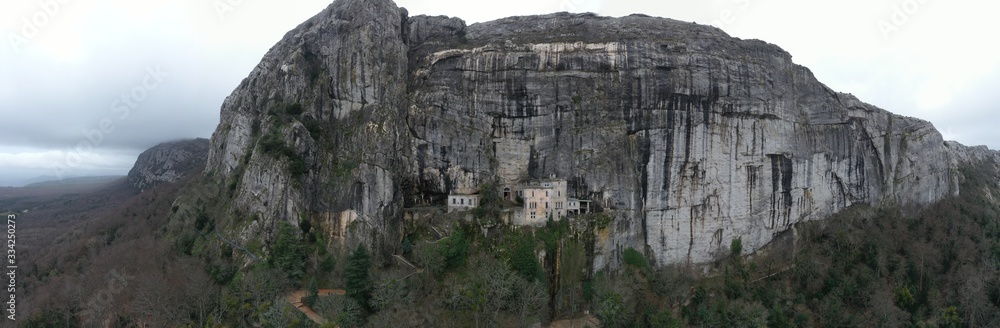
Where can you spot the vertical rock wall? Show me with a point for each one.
(688, 137)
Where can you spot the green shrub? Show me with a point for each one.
(202, 221)
(297, 166)
(612, 312)
(456, 249)
(255, 128)
(523, 259)
(490, 202)
(305, 225)
(313, 126)
(662, 318)
(342, 169)
(904, 297)
(950, 318)
(272, 145)
(222, 274)
(632, 257)
(294, 109)
(186, 242)
(736, 247)
(328, 263)
(431, 257)
(588, 290)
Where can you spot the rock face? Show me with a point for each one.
(168, 162)
(688, 137)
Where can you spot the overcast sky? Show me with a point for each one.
(122, 76)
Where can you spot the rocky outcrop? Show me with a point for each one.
(168, 162)
(688, 137)
(318, 128)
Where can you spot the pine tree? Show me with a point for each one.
(310, 299)
(288, 253)
(357, 276)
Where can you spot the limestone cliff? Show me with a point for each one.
(168, 162)
(688, 137)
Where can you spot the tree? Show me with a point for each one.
(391, 292)
(950, 318)
(357, 275)
(489, 287)
(310, 299)
(736, 247)
(288, 253)
(523, 259)
(632, 257)
(490, 202)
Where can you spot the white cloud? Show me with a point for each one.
(29, 164)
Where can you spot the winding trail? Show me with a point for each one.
(296, 299)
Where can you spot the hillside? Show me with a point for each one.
(88, 245)
(168, 162)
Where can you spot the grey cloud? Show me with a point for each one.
(48, 103)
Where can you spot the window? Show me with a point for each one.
(546, 204)
(559, 193)
(546, 193)
(532, 193)
(532, 215)
(454, 201)
(533, 205)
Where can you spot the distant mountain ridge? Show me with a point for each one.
(49, 179)
(44, 181)
(168, 162)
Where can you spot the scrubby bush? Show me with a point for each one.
(632, 257)
(293, 109)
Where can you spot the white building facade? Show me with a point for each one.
(462, 202)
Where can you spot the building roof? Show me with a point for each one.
(538, 183)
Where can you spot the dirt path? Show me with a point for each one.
(296, 299)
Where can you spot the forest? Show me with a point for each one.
(155, 260)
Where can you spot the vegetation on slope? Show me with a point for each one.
(937, 267)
